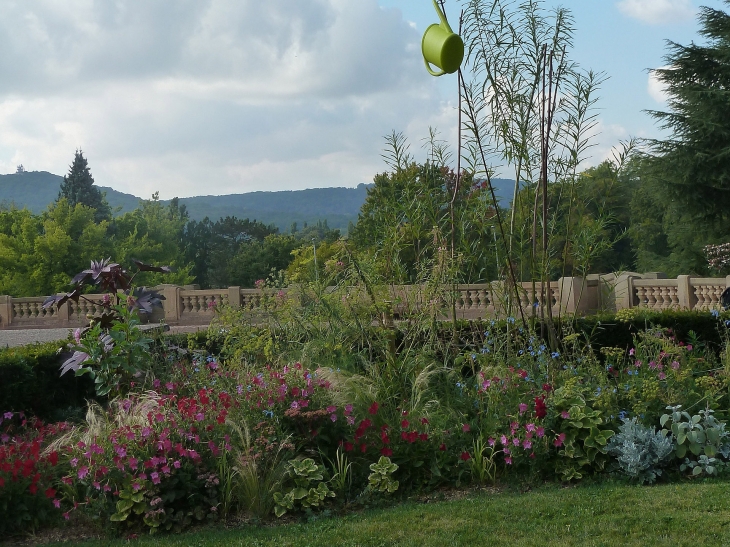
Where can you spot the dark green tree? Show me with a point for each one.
(685, 178)
(78, 187)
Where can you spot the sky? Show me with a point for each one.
(201, 97)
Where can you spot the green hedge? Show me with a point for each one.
(30, 382)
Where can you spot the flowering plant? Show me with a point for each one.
(28, 498)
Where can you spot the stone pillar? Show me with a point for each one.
(623, 291)
(234, 297)
(171, 303)
(572, 295)
(64, 314)
(6, 311)
(685, 292)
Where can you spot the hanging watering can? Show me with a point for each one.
(441, 46)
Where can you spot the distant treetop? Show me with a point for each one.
(78, 187)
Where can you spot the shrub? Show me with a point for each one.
(640, 450)
(29, 382)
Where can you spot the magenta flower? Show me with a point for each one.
(133, 463)
(350, 420)
(331, 409)
(74, 462)
(526, 444)
(662, 376)
(490, 441)
(508, 460)
(83, 472)
(57, 503)
(466, 428)
(559, 440)
(348, 410)
(333, 417)
(675, 365)
(170, 386)
(523, 408)
(200, 417)
(121, 451)
(632, 351)
(156, 383)
(155, 476)
(540, 432)
(565, 414)
(503, 440)
(530, 427)
(515, 441)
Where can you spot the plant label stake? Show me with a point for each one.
(441, 46)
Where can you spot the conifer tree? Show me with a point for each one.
(78, 187)
(693, 164)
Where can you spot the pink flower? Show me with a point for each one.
(486, 384)
(155, 476)
(350, 420)
(530, 427)
(333, 417)
(662, 376)
(348, 410)
(675, 365)
(466, 428)
(170, 386)
(565, 414)
(156, 383)
(74, 462)
(83, 472)
(559, 440)
(490, 441)
(503, 440)
(176, 464)
(200, 417)
(515, 441)
(508, 460)
(331, 409)
(121, 451)
(57, 503)
(689, 347)
(133, 463)
(526, 444)
(632, 351)
(146, 432)
(523, 408)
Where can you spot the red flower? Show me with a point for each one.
(559, 440)
(424, 421)
(373, 408)
(33, 488)
(384, 438)
(423, 436)
(53, 458)
(547, 387)
(540, 407)
(50, 492)
(363, 448)
(522, 373)
(404, 424)
(466, 428)
(386, 452)
(442, 447)
(412, 436)
(465, 456)
(349, 447)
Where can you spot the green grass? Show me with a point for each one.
(609, 514)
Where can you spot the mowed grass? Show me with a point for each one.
(689, 514)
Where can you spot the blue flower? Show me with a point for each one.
(622, 414)
(473, 356)
(269, 413)
(542, 347)
(715, 313)
(510, 320)
(520, 352)
(556, 354)
(485, 350)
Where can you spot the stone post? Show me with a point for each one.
(685, 292)
(6, 311)
(171, 303)
(234, 297)
(64, 314)
(572, 295)
(623, 291)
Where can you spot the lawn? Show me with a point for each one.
(688, 513)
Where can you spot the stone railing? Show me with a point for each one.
(191, 306)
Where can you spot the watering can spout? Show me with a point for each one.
(441, 46)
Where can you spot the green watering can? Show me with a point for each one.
(441, 46)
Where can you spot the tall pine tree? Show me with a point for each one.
(78, 187)
(693, 164)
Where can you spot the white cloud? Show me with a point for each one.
(658, 12)
(656, 89)
(209, 97)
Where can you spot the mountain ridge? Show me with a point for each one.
(339, 206)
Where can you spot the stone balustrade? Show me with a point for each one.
(191, 306)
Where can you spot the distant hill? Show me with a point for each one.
(339, 206)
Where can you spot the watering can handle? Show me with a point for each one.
(442, 16)
(431, 71)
